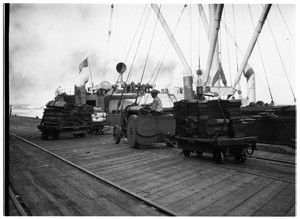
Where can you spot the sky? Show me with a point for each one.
(47, 42)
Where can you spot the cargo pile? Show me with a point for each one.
(62, 113)
(98, 115)
(208, 119)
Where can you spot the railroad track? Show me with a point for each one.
(23, 211)
(151, 204)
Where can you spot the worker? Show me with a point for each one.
(156, 105)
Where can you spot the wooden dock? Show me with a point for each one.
(184, 185)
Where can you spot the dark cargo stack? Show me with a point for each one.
(207, 119)
(61, 113)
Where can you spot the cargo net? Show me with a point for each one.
(208, 119)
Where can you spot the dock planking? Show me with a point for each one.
(50, 188)
(188, 186)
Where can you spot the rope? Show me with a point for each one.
(229, 64)
(149, 47)
(287, 27)
(199, 42)
(191, 46)
(148, 54)
(281, 61)
(119, 103)
(232, 37)
(236, 56)
(108, 41)
(166, 48)
(135, 33)
(261, 58)
(159, 64)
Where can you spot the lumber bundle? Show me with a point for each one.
(61, 113)
(207, 119)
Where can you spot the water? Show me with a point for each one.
(32, 113)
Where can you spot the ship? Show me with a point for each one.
(271, 123)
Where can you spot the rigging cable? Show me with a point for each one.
(108, 41)
(152, 37)
(229, 64)
(167, 46)
(285, 42)
(281, 61)
(261, 58)
(199, 43)
(159, 64)
(129, 73)
(135, 33)
(191, 46)
(149, 47)
(236, 56)
(285, 24)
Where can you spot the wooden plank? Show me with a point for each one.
(280, 204)
(232, 200)
(176, 183)
(192, 188)
(83, 192)
(161, 165)
(33, 199)
(170, 175)
(117, 161)
(215, 192)
(253, 204)
(291, 211)
(129, 164)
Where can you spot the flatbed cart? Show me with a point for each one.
(219, 147)
(55, 131)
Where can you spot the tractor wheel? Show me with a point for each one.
(131, 131)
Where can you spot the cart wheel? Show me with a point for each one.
(56, 136)
(241, 157)
(117, 134)
(218, 157)
(186, 153)
(199, 153)
(131, 131)
(44, 136)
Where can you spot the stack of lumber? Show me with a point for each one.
(61, 113)
(207, 119)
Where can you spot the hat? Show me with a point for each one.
(154, 91)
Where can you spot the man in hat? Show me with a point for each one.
(156, 105)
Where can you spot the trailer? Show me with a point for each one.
(212, 126)
(56, 131)
(219, 147)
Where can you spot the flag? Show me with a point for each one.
(83, 64)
